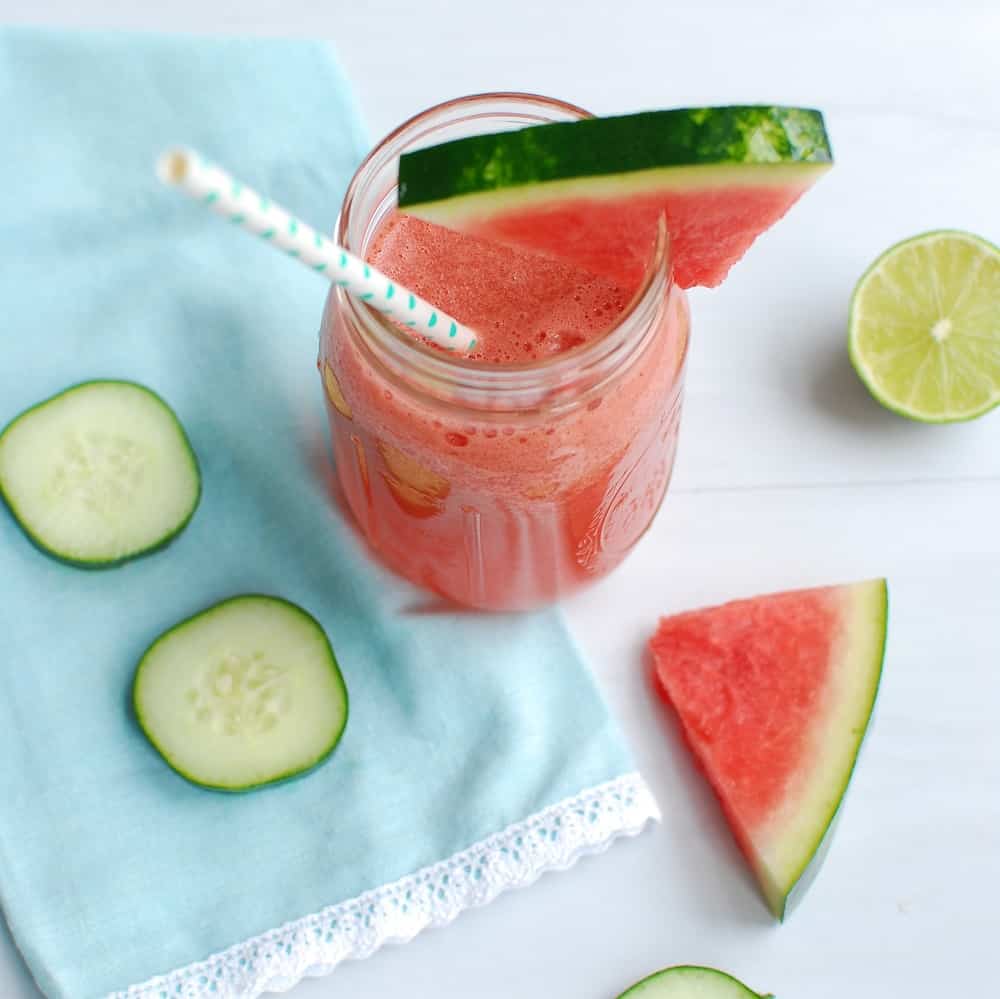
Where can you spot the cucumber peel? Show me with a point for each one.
(690, 982)
(244, 694)
(100, 473)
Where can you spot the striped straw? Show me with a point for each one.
(214, 187)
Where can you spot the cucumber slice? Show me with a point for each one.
(690, 982)
(243, 694)
(99, 474)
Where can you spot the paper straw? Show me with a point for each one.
(218, 190)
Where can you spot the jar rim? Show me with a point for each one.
(451, 375)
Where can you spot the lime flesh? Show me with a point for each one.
(924, 331)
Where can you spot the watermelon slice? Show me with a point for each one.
(774, 696)
(592, 191)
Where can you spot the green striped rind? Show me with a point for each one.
(606, 147)
(691, 982)
(792, 841)
(23, 521)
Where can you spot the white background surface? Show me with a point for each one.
(788, 475)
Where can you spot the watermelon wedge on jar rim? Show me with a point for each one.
(591, 192)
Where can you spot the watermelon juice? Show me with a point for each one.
(506, 479)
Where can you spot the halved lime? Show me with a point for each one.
(924, 331)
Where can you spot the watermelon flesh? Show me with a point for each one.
(710, 227)
(774, 696)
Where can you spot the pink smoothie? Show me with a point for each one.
(505, 509)
(525, 306)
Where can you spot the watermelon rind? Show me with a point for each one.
(797, 838)
(690, 982)
(747, 143)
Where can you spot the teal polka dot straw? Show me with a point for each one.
(233, 200)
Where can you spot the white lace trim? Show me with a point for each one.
(552, 839)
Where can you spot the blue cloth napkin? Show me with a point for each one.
(478, 751)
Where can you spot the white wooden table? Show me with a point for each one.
(789, 475)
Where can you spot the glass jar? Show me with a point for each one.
(501, 487)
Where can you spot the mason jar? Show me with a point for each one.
(502, 487)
